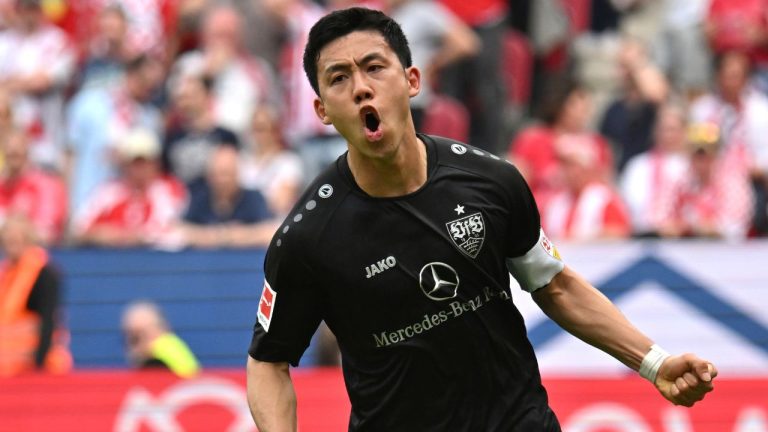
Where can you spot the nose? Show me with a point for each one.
(362, 90)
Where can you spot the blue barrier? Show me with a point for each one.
(209, 297)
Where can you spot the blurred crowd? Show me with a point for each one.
(190, 123)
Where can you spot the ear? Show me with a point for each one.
(320, 111)
(413, 75)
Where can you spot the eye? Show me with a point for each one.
(375, 68)
(337, 79)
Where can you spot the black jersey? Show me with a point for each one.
(416, 290)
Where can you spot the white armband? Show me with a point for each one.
(538, 266)
(651, 363)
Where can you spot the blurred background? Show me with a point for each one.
(149, 150)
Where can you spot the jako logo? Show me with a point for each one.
(385, 264)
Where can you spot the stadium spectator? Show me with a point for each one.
(222, 213)
(268, 166)
(195, 134)
(702, 203)
(7, 122)
(151, 344)
(477, 80)
(36, 64)
(741, 25)
(681, 48)
(587, 207)
(739, 111)
(30, 191)
(437, 39)
(149, 24)
(628, 120)
(316, 143)
(649, 174)
(240, 81)
(566, 109)
(108, 51)
(139, 207)
(98, 117)
(30, 335)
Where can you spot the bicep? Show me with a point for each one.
(568, 295)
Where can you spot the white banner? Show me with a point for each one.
(710, 298)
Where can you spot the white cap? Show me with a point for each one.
(138, 143)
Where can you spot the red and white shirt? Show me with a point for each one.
(722, 205)
(643, 183)
(300, 121)
(585, 216)
(39, 196)
(46, 50)
(734, 21)
(150, 212)
(536, 150)
(744, 149)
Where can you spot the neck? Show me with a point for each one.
(732, 98)
(402, 173)
(201, 121)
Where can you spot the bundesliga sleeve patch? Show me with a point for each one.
(266, 305)
(538, 266)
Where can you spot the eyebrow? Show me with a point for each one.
(344, 65)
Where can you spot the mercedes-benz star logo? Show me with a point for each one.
(439, 281)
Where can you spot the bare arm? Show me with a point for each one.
(586, 313)
(271, 397)
(459, 41)
(649, 80)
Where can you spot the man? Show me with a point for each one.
(649, 175)
(739, 111)
(30, 336)
(240, 81)
(138, 208)
(223, 214)
(26, 189)
(150, 343)
(437, 40)
(99, 117)
(402, 247)
(188, 145)
(587, 207)
(37, 62)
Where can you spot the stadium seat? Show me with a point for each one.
(517, 67)
(447, 117)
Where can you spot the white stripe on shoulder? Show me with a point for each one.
(538, 266)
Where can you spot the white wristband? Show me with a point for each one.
(651, 363)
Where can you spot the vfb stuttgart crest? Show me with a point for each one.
(468, 233)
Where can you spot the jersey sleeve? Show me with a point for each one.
(530, 257)
(289, 310)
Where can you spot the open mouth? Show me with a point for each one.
(370, 118)
(371, 123)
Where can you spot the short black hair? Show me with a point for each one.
(345, 21)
